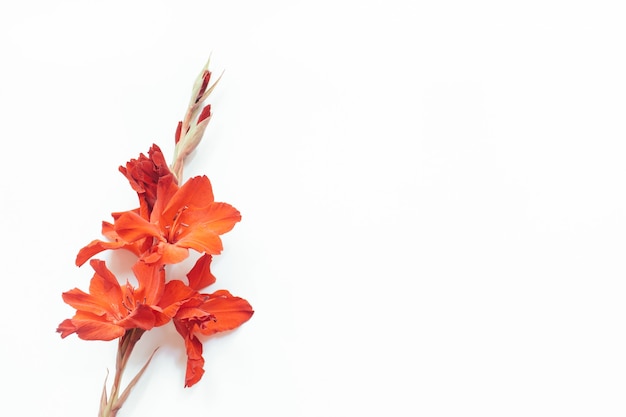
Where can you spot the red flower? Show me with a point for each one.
(201, 314)
(207, 314)
(182, 218)
(170, 220)
(144, 175)
(110, 309)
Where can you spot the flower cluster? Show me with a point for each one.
(171, 219)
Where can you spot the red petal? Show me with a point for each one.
(195, 361)
(66, 328)
(177, 134)
(141, 317)
(206, 113)
(166, 190)
(105, 293)
(92, 327)
(200, 275)
(82, 301)
(195, 370)
(104, 285)
(99, 331)
(194, 314)
(205, 226)
(218, 217)
(195, 192)
(156, 156)
(206, 77)
(175, 294)
(151, 280)
(95, 247)
(202, 240)
(168, 254)
(131, 227)
(230, 312)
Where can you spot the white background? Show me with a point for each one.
(432, 192)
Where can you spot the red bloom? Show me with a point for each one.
(201, 314)
(144, 175)
(110, 309)
(207, 314)
(182, 218)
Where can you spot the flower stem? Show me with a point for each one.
(111, 405)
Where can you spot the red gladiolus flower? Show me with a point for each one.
(207, 314)
(170, 220)
(110, 309)
(144, 175)
(182, 218)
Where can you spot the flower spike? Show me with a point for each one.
(173, 217)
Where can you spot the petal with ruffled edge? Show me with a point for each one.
(229, 312)
(193, 346)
